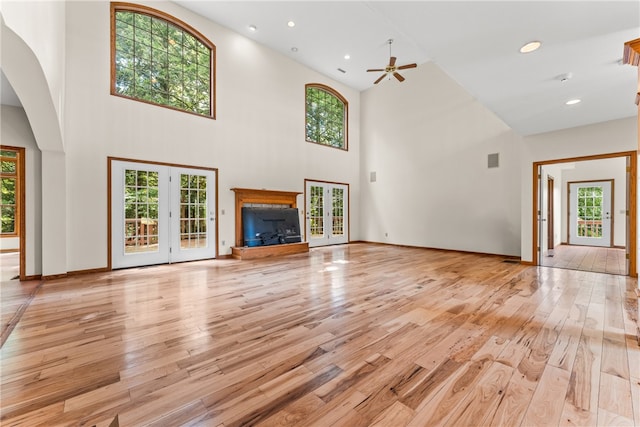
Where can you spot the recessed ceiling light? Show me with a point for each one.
(294, 49)
(291, 24)
(573, 101)
(347, 56)
(530, 47)
(252, 28)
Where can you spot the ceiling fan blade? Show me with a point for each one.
(375, 69)
(392, 61)
(398, 76)
(404, 67)
(379, 79)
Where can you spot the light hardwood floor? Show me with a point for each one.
(14, 295)
(349, 335)
(587, 258)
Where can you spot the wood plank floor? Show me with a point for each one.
(15, 296)
(587, 258)
(353, 335)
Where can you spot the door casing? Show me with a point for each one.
(328, 238)
(570, 198)
(110, 224)
(632, 208)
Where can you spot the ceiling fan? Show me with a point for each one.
(392, 68)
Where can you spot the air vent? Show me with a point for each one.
(493, 160)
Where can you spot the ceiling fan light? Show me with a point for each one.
(530, 47)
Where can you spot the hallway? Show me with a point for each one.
(587, 258)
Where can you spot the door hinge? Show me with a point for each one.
(626, 256)
(628, 168)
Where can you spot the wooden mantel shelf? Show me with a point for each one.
(273, 197)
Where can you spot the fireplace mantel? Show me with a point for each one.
(268, 197)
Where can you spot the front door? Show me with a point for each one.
(590, 214)
(161, 214)
(327, 213)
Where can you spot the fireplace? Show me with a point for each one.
(276, 215)
(271, 225)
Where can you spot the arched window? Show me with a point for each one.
(326, 116)
(159, 59)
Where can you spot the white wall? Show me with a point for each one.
(16, 131)
(257, 140)
(41, 24)
(427, 140)
(608, 137)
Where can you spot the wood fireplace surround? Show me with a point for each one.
(245, 196)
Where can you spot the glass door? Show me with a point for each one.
(192, 214)
(139, 214)
(161, 214)
(327, 215)
(590, 214)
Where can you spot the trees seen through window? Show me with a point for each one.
(326, 116)
(158, 59)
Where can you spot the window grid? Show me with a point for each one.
(193, 211)
(9, 190)
(589, 216)
(157, 60)
(338, 211)
(316, 216)
(141, 211)
(326, 116)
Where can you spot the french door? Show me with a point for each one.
(327, 213)
(590, 213)
(161, 214)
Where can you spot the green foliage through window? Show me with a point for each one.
(159, 61)
(326, 116)
(9, 192)
(140, 210)
(590, 212)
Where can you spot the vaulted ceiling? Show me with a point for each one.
(475, 42)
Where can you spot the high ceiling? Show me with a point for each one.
(476, 43)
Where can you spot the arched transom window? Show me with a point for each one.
(326, 116)
(159, 59)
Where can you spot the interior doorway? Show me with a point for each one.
(552, 212)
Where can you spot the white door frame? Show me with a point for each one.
(327, 238)
(178, 253)
(169, 248)
(607, 213)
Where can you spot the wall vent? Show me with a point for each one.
(493, 160)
